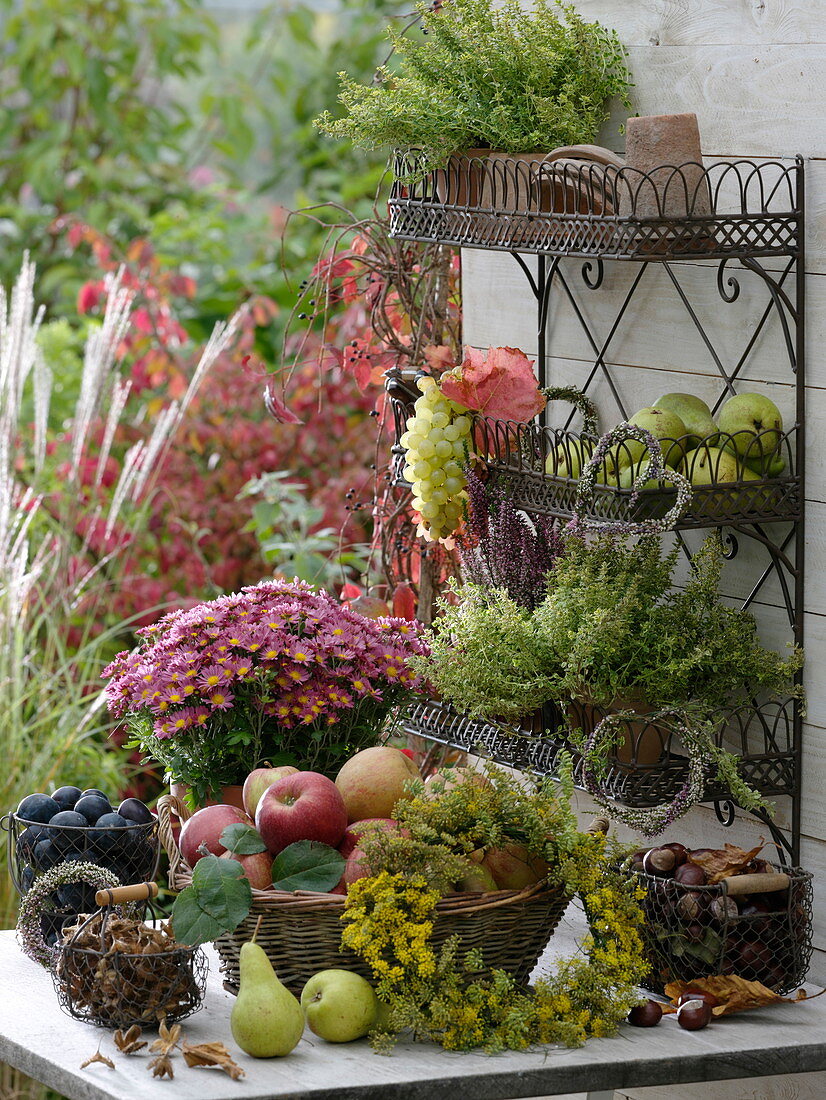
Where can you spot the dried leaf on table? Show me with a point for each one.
(162, 1066)
(98, 1057)
(127, 1042)
(168, 1038)
(212, 1055)
(734, 994)
(720, 863)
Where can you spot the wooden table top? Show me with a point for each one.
(37, 1037)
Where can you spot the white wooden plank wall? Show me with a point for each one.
(755, 72)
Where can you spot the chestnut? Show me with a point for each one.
(646, 1015)
(689, 874)
(694, 932)
(754, 906)
(697, 995)
(724, 908)
(660, 862)
(694, 1014)
(680, 851)
(690, 906)
(760, 867)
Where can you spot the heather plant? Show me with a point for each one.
(496, 76)
(279, 671)
(501, 548)
(617, 631)
(486, 656)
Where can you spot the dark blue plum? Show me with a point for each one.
(107, 834)
(76, 897)
(46, 855)
(92, 806)
(135, 811)
(28, 838)
(63, 828)
(37, 807)
(94, 790)
(26, 879)
(66, 797)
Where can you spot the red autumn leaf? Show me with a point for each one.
(278, 410)
(500, 384)
(439, 357)
(404, 602)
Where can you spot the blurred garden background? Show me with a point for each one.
(151, 155)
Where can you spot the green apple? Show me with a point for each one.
(569, 458)
(663, 425)
(693, 411)
(339, 1006)
(710, 465)
(754, 423)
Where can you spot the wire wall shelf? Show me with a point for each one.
(583, 221)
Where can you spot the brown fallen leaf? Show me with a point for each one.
(212, 1055)
(720, 863)
(735, 994)
(127, 1041)
(98, 1057)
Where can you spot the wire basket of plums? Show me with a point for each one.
(116, 971)
(724, 911)
(72, 824)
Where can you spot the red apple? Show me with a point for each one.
(257, 782)
(205, 827)
(445, 779)
(303, 806)
(355, 868)
(257, 868)
(513, 868)
(372, 781)
(354, 832)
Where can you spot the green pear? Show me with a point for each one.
(773, 467)
(266, 1020)
(569, 458)
(663, 425)
(477, 880)
(710, 465)
(340, 1006)
(754, 423)
(627, 475)
(694, 413)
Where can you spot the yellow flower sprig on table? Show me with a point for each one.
(389, 919)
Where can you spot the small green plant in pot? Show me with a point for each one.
(491, 77)
(627, 649)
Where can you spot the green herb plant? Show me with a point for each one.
(488, 75)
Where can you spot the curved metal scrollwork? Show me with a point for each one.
(729, 544)
(593, 281)
(732, 282)
(725, 813)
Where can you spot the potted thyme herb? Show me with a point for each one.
(484, 78)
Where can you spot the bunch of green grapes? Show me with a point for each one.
(436, 442)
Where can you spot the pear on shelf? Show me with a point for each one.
(267, 1021)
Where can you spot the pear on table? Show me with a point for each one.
(267, 1020)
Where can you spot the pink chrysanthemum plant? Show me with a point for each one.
(279, 671)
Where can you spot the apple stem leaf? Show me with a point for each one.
(242, 840)
(217, 900)
(308, 865)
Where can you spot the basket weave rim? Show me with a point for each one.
(180, 876)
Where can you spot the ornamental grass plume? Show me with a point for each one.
(62, 545)
(278, 671)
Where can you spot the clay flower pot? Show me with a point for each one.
(667, 149)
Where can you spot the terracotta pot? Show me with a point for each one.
(528, 182)
(666, 148)
(644, 743)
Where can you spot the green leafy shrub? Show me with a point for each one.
(493, 76)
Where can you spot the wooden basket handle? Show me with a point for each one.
(169, 806)
(119, 895)
(737, 885)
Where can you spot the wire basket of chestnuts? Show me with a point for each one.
(724, 911)
(116, 971)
